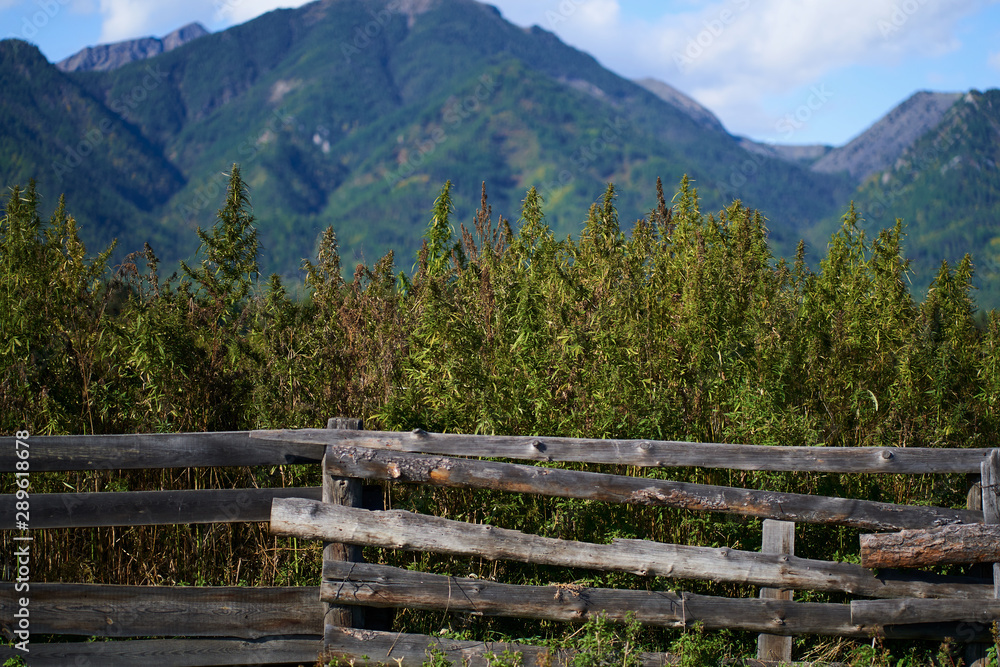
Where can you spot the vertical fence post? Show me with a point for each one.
(341, 491)
(985, 496)
(779, 538)
(991, 502)
(990, 471)
(974, 655)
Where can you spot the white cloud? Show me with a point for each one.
(994, 60)
(129, 19)
(733, 54)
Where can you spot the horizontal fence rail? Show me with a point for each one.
(102, 610)
(932, 546)
(396, 648)
(650, 453)
(384, 586)
(363, 463)
(174, 652)
(149, 508)
(910, 611)
(51, 453)
(397, 529)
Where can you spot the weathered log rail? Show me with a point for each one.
(399, 529)
(229, 626)
(364, 463)
(932, 546)
(649, 453)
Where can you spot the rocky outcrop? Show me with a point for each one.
(878, 147)
(679, 100)
(106, 57)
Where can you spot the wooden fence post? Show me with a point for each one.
(779, 538)
(990, 475)
(341, 491)
(985, 496)
(991, 503)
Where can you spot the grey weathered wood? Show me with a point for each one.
(156, 450)
(367, 463)
(149, 508)
(384, 586)
(142, 611)
(172, 653)
(990, 473)
(976, 654)
(653, 453)
(778, 538)
(404, 530)
(339, 490)
(933, 546)
(407, 650)
(910, 610)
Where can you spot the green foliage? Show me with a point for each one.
(684, 327)
(697, 648)
(439, 234)
(600, 644)
(436, 657)
(945, 189)
(507, 658)
(229, 253)
(52, 325)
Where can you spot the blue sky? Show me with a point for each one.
(792, 71)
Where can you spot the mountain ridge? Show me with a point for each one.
(336, 126)
(105, 57)
(885, 140)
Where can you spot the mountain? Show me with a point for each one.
(880, 145)
(112, 56)
(683, 103)
(55, 131)
(353, 113)
(945, 186)
(804, 154)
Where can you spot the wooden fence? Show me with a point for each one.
(234, 626)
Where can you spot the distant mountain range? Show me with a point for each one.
(353, 113)
(106, 57)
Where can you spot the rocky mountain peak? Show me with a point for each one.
(682, 102)
(104, 57)
(878, 147)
